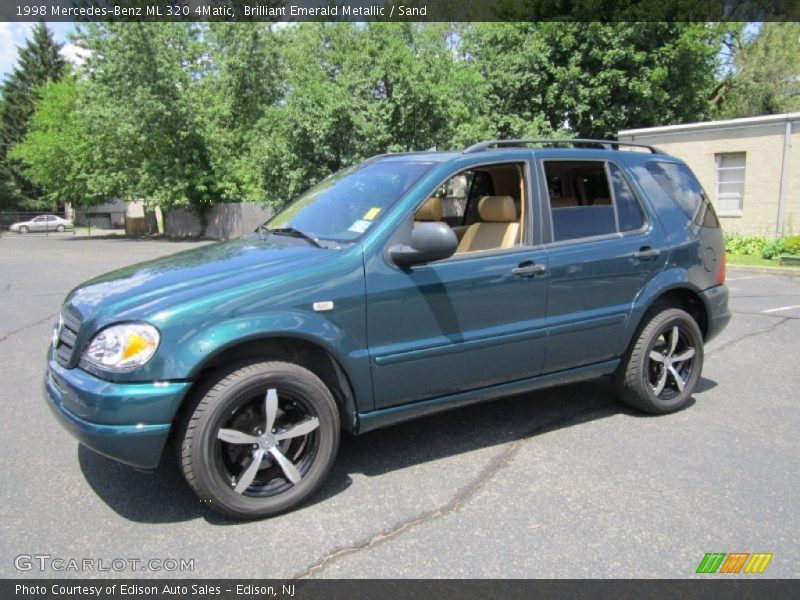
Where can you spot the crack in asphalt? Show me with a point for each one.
(487, 473)
(747, 336)
(458, 501)
(26, 327)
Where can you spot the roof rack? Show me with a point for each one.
(605, 144)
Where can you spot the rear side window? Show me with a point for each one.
(582, 204)
(629, 211)
(681, 185)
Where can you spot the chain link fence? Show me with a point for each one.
(41, 222)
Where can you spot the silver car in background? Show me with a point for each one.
(42, 223)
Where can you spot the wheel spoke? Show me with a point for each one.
(270, 409)
(662, 380)
(677, 377)
(656, 356)
(304, 427)
(683, 356)
(249, 474)
(673, 342)
(232, 436)
(291, 472)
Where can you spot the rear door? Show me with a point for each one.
(603, 248)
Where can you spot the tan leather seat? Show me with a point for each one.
(499, 226)
(430, 211)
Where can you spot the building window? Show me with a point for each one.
(730, 183)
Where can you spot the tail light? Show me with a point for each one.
(721, 271)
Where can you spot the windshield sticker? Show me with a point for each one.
(371, 214)
(359, 226)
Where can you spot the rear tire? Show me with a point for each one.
(260, 439)
(663, 365)
(60, 229)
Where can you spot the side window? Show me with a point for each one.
(449, 202)
(629, 211)
(682, 187)
(485, 207)
(580, 199)
(481, 185)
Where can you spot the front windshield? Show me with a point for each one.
(346, 204)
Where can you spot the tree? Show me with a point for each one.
(352, 91)
(38, 62)
(55, 152)
(594, 78)
(240, 81)
(764, 77)
(140, 103)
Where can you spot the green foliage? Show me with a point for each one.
(56, 151)
(38, 62)
(764, 77)
(355, 91)
(191, 114)
(736, 243)
(141, 114)
(10, 196)
(773, 248)
(792, 245)
(595, 78)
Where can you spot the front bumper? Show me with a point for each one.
(127, 422)
(716, 301)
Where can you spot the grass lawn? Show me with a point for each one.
(750, 261)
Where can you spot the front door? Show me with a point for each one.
(471, 321)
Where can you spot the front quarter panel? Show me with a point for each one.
(198, 324)
(345, 345)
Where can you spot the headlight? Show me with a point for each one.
(123, 347)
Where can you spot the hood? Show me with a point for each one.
(137, 291)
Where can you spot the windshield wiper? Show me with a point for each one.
(294, 233)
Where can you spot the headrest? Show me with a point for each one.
(431, 210)
(497, 209)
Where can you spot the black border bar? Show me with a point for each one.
(397, 589)
(400, 10)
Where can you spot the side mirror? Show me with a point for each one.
(429, 242)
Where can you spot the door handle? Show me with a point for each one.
(528, 268)
(646, 253)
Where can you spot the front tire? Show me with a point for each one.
(661, 370)
(260, 440)
(24, 229)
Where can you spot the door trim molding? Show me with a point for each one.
(405, 412)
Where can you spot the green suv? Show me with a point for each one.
(403, 286)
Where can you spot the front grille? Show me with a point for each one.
(65, 348)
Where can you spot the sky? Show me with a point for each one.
(13, 35)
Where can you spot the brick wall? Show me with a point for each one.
(763, 148)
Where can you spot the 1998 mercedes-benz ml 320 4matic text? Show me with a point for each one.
(403, 286)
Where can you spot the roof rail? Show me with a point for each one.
(605, 144)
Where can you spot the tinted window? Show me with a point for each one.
(682, 186)
(629, 210)
(580, 200)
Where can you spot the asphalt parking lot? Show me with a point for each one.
(562, 483)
